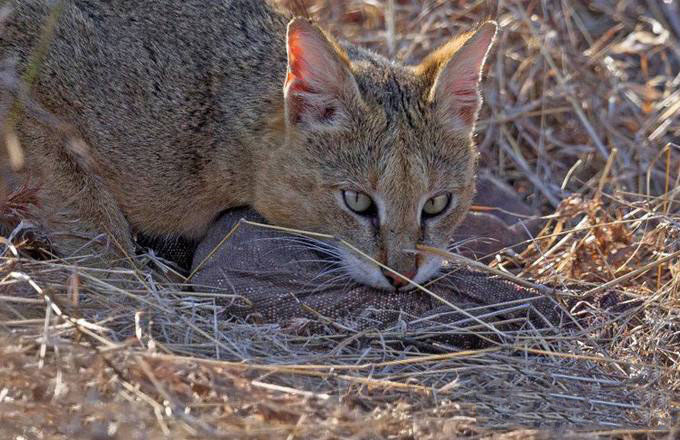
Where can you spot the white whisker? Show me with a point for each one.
(305, 243)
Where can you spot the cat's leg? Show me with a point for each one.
(75, 205)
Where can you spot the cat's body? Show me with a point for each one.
(193, 107)
(158, 120)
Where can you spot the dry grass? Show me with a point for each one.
(582, 116)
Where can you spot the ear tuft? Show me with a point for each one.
(456, 69)
(319, 78)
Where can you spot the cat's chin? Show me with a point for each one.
(367, 273)
(429, 270)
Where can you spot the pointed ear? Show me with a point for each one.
(319, 85)
(455, 71)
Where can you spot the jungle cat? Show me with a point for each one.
(191, 107)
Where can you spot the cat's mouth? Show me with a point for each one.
(366, 272)
(340, 266)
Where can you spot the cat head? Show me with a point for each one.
(376, 153)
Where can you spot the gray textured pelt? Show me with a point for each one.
(277, 277)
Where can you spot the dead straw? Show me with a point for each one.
(581, 115)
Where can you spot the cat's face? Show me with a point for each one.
(377, 154)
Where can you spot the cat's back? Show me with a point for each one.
(171, 96)
(127, 64)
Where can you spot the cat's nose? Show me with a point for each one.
(398, 281)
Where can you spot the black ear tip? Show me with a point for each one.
(488, 27)
(296, 21)
(301, 23)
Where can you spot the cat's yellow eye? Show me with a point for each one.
(436, 204)
(357, 201)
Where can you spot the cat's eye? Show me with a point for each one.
(436, 205)
(357, 201)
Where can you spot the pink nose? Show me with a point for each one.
(398, 281)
